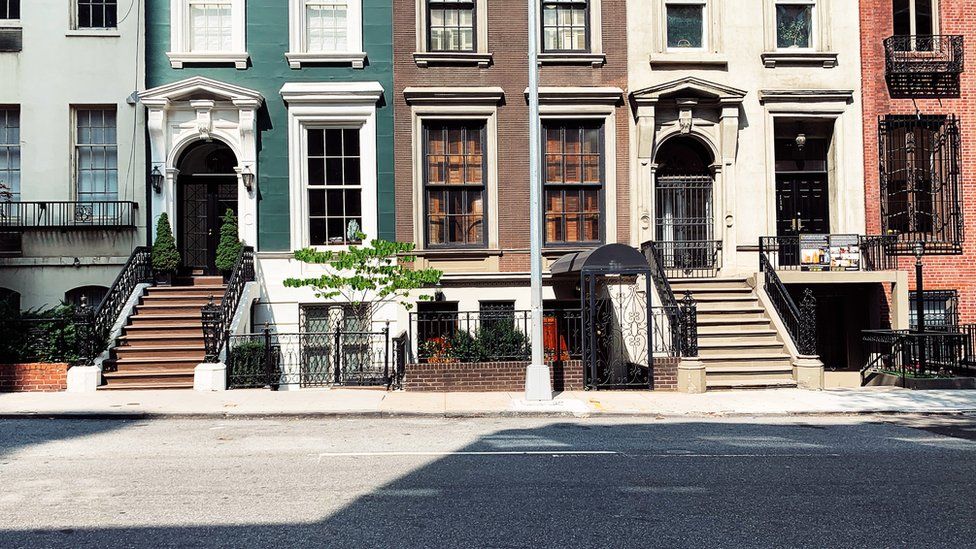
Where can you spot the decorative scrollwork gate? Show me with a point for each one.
(616, 329)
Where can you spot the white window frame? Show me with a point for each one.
(711, 51)
(706, 35)
(481, 56)
(815, 25)
(181, 53)
(76, 145)
(819, 53)
(331, 105)
(7, 148)
(593, 56)
(10, 22)
(298, 54)
(913, 24)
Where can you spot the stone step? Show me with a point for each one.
(757, 382)
(748, 369)
(748, 306)
(729, 323)
(147, 349)
(743, 297)
(150, 364)
(169, 310)
(178, 299)
(151, 327)
(146, 385)
(732, 315)
(748, 347)
(741, 334)
(161, 338)
(780, 360)
(204, 291)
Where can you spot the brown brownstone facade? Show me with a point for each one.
(39, 377)
(507, 70)
(955, 17)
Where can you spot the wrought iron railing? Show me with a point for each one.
(137, 270)
(907, 353)
(785, 254)
(689, 258)
(68, 215)
(682, 320)
(217, 319)
(54, 338)
(800, 319)
(311, 359)
(924, 54)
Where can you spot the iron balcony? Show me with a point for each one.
(68, 215)
(923, 65)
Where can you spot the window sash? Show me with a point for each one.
(10, 151)
(796, 24)
(573, 183)
(565, 25)
(215, 32)
(333, 185)
(326, 26)
(96, 155)
(96, 14)
(9, 10)
(914, 17)
(452, 25)
(672, 41)
(455, 209)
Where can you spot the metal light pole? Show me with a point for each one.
(537, 382)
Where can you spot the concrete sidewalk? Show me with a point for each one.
(373, 402)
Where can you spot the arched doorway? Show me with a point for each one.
(684, 224)
(207, 188)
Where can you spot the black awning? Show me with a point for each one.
(609, 258)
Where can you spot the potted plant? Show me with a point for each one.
(229, 246)
(165, 257)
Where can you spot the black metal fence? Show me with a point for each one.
(62, 338)
(312, 359)
(68, 215)
(785, 254)
(800, 319)
(217, 319)
(907, 353)
(690, 258)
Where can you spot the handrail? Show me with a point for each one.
(800, 321)
(217, 318)
(68, 214)
(137, 270)
(682, 319)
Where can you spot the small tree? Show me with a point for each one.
(229, 246)
(165, 256)
(367, 277)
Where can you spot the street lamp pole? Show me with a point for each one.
(538, 385)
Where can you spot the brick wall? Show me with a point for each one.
(41, 377)
(510, 376)
(956, 17)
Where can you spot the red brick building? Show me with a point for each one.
(919, 123)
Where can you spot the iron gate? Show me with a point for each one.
(616, 329)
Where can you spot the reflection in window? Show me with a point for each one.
(334, 186)
(573, 182)
(794, 24)
(686, 24)
(454, 183)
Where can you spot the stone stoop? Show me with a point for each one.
(737, 340)
(162, 341)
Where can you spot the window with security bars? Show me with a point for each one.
(451, 25)
(9, 9)
(920, 196)
(941, 309)
(96, 14)
(454, 183)
(684, 208)
(211, 26)
(9, 154)
(565, 25)
(573, 182)
(96, 154)
(326, 27)
(334, 186)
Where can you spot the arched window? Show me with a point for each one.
(93, 294)
(9, 299)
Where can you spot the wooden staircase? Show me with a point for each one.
(737, 340)
(162, 341)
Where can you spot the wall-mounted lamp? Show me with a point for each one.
(76, 263)
(801, 141)
(156, 178)
(247, 177)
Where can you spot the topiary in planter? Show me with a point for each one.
(165, 257)
(230, 245)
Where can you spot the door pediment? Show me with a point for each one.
(689, 87)
(199, 88)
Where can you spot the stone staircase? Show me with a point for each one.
(162, 341)
(737, 340)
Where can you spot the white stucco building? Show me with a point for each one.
(72, 146)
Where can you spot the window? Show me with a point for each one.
(334, 186)
(573, 182)
(10, 153)
(564, 25)
(9, 299)
(794, 24)
(941, 309)
(454, 183)
(96, 155)
(96, 14)
(9, 9)
(913, 17)
(93, 296)
(451, 25)
(211, 27)
(325, 26)
(685, 24)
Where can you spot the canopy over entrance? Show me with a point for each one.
(607, 259)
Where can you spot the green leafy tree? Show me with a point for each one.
(165, 256)
(229, 246)
(367, 277)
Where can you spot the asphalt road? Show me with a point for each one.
(848, 482)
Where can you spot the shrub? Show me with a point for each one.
(230, 245)
(165, 256)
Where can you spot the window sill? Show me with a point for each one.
(455, 252)
(426, 58)
(827, 60)
(677, 59)
(10, 24)
(595, 60)
(95, 33)
(178, 59)
(297, 59)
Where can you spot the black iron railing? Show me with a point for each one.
(690, 258)
(907, 353)
(311, 359)
(61, 337)
(68, 215)
(495, 336)
(785, 254)
(682, 321)
(924, 54)
(800, 319)
(217, 318)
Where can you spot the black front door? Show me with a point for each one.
(204, 201)
(802, 204)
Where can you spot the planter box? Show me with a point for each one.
(33, 377)
(891, 380)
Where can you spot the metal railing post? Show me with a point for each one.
(386, 355)
(808, 324)
(267, 357)
(338, 354)
(689, 326)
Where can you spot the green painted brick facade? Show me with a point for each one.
(268, 71)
